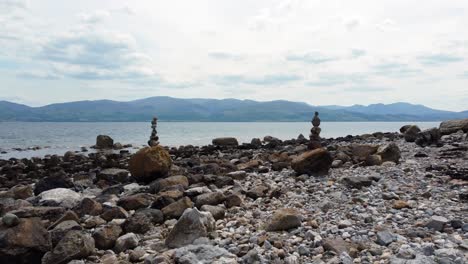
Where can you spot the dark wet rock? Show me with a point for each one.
(225, 141)
(192, 225)
(176, 209)
(453, 126)
(113, 175)
(105, 236)
(24, 243)
(256, 142)
(75, 245)
(104, 142)
(10, 220)
(314, 162)
(373, 160)
(149, 164)
(233, 200)
(284, 219)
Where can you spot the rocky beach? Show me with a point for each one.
(386, 197)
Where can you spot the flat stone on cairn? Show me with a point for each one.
(315, 133)
(152, 162)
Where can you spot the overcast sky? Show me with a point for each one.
(326, 52)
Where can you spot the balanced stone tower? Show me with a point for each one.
(154, 139)
(315, 132)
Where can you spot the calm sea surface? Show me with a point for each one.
(57, 138)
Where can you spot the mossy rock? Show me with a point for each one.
(150, 163)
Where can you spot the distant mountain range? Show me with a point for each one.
(174, 109)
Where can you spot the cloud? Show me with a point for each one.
(311, 58)
(395, 70)
(273, 79)
(36, 75)
(96, 55)
(94, 17)
(337, 79)
(366, 89)
(357, 53)
(464, 75)
(7, 6)
(439, 59)
(225, 56)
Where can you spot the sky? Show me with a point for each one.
(326, 52)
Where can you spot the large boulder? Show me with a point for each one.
(104, 142)
(25, 243)
(284, 219)
(389, 152)
(411, 133)
(314, 162)
(150, 163)
(57, 180)
(225, 141)
(452, 126)
(74, 245)
(360, 152)
(428, 137)
(192, 225)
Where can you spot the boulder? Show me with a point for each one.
(360, 152)
(74, 245)
(314, 162)
(44, 212)
(88, 206)
(125, 242)
(411, 133)
(136, 201)
(162, 184)
(114, 213)
(61, 197)
(452, 126)
(104, 142)
(58, 180)
(212, 198)
(389, 152)
(217, 212)
(25, 243)
(203, 254)
(149, 164)
(61, 229)
(225, 141)
(176, 209)
(284, 219)
(106, 236)
(428, 137)
(372, 160)
(192, 225)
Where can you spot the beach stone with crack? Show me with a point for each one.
(74, 245)
(149, 164)
(192, 225)
(284, 219)
(315, 162)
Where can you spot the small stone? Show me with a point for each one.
(303, 250)
(218, 212)
(385, 238)
(10, 220)
(284, 219)
(400, 204)
(125, 242)
(437, 223)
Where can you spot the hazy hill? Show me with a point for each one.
(175, 109)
